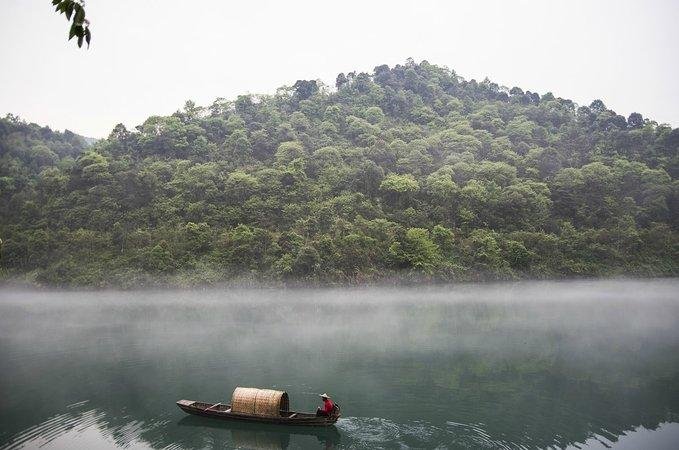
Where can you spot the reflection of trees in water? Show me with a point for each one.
(529, 402)
(437, 374)
(201, 433)
(264, 436)
(521, 402)
(193, 432)
(543, 408)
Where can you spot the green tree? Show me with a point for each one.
(416, 250)
(409, 167)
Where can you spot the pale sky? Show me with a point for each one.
(149, 57)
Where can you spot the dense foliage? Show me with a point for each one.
(408, 172)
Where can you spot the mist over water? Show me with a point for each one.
(516, 365)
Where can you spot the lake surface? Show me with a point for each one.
(521, 365)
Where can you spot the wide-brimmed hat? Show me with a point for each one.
(324, 396)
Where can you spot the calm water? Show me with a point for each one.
(528, 365)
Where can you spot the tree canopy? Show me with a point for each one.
(409, 172)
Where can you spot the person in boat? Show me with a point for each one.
(327, 408)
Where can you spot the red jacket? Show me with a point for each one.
(328, 405)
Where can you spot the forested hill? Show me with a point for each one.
(407, 173)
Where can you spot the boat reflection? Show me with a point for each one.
(266, 436)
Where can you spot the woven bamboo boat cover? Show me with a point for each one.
(259, 402)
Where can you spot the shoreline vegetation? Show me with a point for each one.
(151, 282)
(406, 175)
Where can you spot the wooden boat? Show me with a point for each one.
(258, 405)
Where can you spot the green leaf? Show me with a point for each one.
(79, 14)
(80, 41)
(54, 2)
(69, 11)
(88, 36)
(72, 32)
